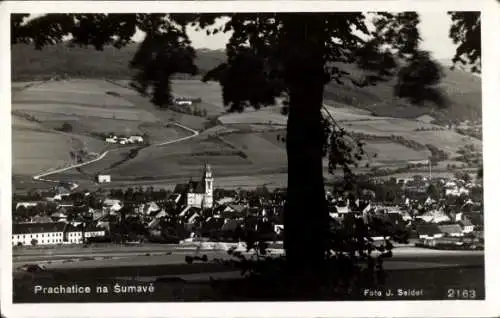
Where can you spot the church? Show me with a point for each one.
(198, 194)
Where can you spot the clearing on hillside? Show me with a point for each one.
(36, 149)
(53, 118)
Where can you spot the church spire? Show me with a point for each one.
(207, 171)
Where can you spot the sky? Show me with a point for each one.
(434, 30)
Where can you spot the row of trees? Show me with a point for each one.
(139, 194)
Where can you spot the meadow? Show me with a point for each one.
(247, 143)
(34, 149)
(260, 148)
(41, 109)
(180, 159)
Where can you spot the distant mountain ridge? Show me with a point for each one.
(462, 88)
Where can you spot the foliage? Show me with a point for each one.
(354, 262)
(437, 154)
(66, 127)
(466, 32)
(159, 56)
(433, 191)
(282, 54)
(462, 175)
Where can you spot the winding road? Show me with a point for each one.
(41, 177)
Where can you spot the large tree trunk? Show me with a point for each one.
(306, 215)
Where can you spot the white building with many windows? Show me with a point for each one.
(32, 234)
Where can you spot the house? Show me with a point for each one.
(159, 214)
(183, 102)
(279, 228)
(103, 178)
(429, 231)
(467, 226)
(477, 219)
(26, 234)
(97, 214)
(62, 191)
(453, 229)
(136, 139)
(198, 194)
(58, 217)
(112, 140)
(149, 208)
(66, 204)
(187, 211)
(112, 205)
(94, 231)
(26, 204)
(342, 209)
(237, 208)
(225, 200)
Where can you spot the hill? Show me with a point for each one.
(462, 88)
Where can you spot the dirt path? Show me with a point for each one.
(41, 177)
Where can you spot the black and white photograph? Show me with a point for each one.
(205, 154)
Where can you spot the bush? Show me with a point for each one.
(66, 127)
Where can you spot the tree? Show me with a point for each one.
(270, 54)
(297, 54)
(433, 191)
(66, 127)
(462, 175)
(466, 32)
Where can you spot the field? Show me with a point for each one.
(91, 107)
(462, 88)
(261, 148)
(210, 94)
(244, 149)
(359, 121)
(446, 140)
(389, 152)
(34, 149)
(264, 116)
(185, 158)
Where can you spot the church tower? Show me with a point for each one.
(208, 180)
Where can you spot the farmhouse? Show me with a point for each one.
(198, 194)
(183, 101)
(112, 140)
(136, 139)
(103, 178)
(425, 119)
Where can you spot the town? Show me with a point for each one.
(434, 213)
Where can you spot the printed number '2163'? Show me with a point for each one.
(462, 293)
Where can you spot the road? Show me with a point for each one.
(40, 177)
